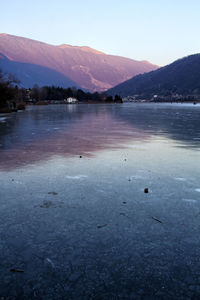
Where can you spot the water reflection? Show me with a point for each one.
(42, 132)
(178, 122)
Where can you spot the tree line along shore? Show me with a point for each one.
(13, 97)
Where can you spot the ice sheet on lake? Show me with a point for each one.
(50, 262)
(135, 177)
(190, 200)
(3, 119)
(180, 179)
(76, 177)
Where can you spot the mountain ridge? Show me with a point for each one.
(89, 68)
(180, 77)
(29, 74)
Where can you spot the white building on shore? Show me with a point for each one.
(71, 100)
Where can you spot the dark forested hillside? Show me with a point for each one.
(181, 77)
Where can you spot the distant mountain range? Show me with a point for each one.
(35, 62)
(181, 77)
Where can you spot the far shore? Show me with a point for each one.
(22, 106)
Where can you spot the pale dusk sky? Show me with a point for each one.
(155, 30)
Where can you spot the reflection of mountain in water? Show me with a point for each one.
(42, 132)
(66, 130)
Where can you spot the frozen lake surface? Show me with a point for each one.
(73, 213)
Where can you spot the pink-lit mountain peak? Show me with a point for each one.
(83, 48)
(88, 68)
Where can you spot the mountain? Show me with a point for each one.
(181, 77)
(29, 74)
(91, 69)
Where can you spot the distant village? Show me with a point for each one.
(162, 98)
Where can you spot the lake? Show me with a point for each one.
(74, 216)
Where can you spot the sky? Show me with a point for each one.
(159, 31)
